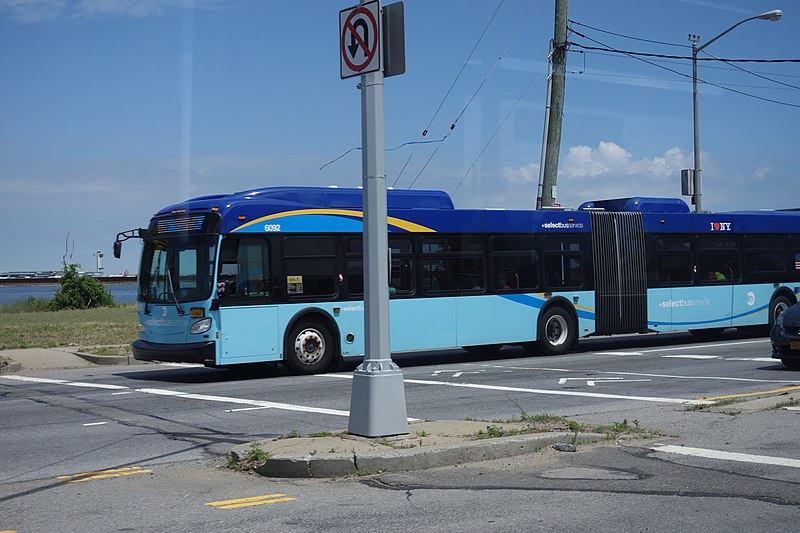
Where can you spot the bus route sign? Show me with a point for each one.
(359, 41)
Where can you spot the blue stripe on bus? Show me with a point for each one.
(699, 322)
(532, 301)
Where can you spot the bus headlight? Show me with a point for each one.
(201, 326)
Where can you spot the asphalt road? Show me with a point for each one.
(164, 430)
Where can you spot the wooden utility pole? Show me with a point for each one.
(555, 110)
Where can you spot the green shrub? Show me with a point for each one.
(79, 291)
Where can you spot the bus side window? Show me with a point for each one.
(228, 269)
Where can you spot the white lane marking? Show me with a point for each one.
(189, 396)
(727, 456)
(539, 391)
(457, 373)
(792, 408)
(700, 346)
(121, 393)
(618, 353)
(686, 356)
(711, 378)
(95, 424)
(65, 382)
(182, 365)
(243, 401)
(756, 359)
(246, 409)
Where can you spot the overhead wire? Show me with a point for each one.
(464, 109)
(496, 131)
(447, 94)
(628, 36)
(635, 55)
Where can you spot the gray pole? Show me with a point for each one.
(697, 194)
(546, 126)
(377, 401)
(556, 112)
(697, 181)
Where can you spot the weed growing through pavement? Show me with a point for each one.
(252, 459)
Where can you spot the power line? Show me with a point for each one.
(757, 75)
(447, 94)
(628, 36)
(496, 131)
(464, 109)
(667, 56)
(722, 66)
(635, 55)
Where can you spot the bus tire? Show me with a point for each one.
(556, 332)
(778, 305)
(309, 348)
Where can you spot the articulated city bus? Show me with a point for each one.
(276, 274)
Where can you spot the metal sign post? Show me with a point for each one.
(377, 401)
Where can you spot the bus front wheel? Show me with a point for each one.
(309, 348)
(556, 331)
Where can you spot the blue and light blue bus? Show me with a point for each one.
(276, 275)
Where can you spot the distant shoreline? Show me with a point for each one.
(54, 281)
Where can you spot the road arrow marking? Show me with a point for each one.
(592, 381)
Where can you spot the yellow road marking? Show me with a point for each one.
(104, 474)
(775, 391)
(251, 501)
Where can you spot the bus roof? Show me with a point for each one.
(325, 209)
(312, 197)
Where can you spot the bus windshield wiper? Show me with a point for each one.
(172, 292)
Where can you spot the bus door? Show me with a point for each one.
(248, 323)
(620, 272)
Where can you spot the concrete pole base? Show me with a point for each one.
(378, 401)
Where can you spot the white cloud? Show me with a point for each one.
(31, 11)
(609, 171)
(762, 171)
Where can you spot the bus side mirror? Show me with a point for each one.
(117, 249)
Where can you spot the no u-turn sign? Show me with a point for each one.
(360, 38)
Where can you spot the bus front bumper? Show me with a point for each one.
(204, 353)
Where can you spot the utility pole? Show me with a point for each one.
(548, 167)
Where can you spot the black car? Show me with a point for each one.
(786, 337)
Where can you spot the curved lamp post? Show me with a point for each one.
(773, 15)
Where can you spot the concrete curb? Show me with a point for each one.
(108, 359)
(10, 368)
(406, 459)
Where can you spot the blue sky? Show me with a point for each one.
(112, 109)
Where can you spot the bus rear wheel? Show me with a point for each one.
(556, 331)
(309, 348)
(776, 307)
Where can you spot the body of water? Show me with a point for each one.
(123, 293)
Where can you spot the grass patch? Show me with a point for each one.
(790, 402)
(548, 423)
(27, 328)
(717, 403)
(252, 459)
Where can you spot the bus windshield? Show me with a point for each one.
(177, 269)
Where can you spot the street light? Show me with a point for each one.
(773, 15)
